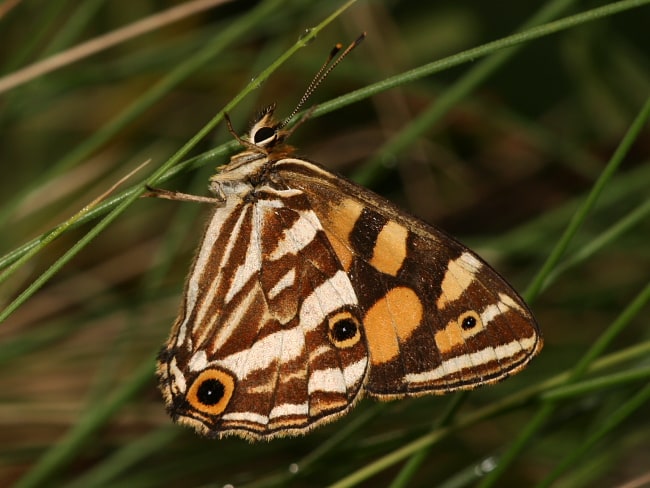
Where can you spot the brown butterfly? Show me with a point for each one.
(309, 292)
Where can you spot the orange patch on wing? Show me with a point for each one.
(338, 223)
(392, 319)
(342, 251)
(390, 248)
(453, 334)
(459, 275)
(449, 337)
(341, 219)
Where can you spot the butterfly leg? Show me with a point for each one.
(184, 197)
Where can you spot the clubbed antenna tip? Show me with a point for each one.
(327, 67)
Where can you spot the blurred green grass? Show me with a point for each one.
(504, 157)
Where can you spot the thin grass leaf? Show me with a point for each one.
(622, 413)
(55, 458)
(547, 408)
(217, 45)
(617, 159)
(521, 397)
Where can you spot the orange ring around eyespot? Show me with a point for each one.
(224, 379)
(476, 328)
(350, 341)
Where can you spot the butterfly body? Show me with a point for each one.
(309, 291)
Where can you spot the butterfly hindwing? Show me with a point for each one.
(261, 335)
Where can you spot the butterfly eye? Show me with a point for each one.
(344, 330)
(470, 320)
(263, 134)
(211, 391)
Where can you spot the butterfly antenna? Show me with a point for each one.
(323, 72)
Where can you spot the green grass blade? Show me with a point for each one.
(628, 408)
(59, 454)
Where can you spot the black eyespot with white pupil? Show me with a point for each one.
(468, 323)
(210, 392)
(344, 330)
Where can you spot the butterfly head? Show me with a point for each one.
(264, 143)
(266, 132)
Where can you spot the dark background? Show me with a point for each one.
(504, 169)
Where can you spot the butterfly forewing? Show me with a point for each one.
(309, 290)
(435, 316)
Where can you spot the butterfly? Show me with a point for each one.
(309, 291)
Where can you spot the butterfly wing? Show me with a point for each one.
(309, 290)
(435, 316)
(268, 340)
